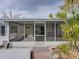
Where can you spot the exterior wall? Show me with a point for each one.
(6, 37)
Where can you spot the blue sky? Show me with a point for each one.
(31, 8)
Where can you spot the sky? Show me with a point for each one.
(30, 8)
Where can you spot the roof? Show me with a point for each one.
(31, 19)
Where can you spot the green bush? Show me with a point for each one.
(64, 48)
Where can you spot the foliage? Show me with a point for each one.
(71, 25)
(71, 31)
(62, 15)
(51, 15)
(69, 3)
(64, 48)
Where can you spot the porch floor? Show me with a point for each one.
(32, 44)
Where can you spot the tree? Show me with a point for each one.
(51, 15)
(61, 15)
(69, 3)
(71, 25)
(71, 31)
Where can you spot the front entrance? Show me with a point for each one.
(39, 31)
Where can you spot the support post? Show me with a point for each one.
(18, 30)
(24, 31)
(34, 32)
(54, 31)
(45, 31)
(8, 31)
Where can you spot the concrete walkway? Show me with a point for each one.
(15, 53)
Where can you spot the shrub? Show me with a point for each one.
(64, 48)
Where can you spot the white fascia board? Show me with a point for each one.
(30, 19)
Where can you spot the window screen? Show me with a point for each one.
(2, 30)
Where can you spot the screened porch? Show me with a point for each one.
(33, 31)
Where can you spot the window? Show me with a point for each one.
(2, 30)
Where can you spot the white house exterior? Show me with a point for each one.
(31, 32)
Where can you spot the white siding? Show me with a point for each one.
(6, 37)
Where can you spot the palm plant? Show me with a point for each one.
(71, 31)
(69, 3)
(62, 15)
(71, 26)
(51, 15)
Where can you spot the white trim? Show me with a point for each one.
(24, 31)
(8, 31)
(40, 22)
(45, 31)
(34, 31)
(18, 31)
(32, 19)
(54, 31)
(39, 35)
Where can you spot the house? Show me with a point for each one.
(31, 32)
